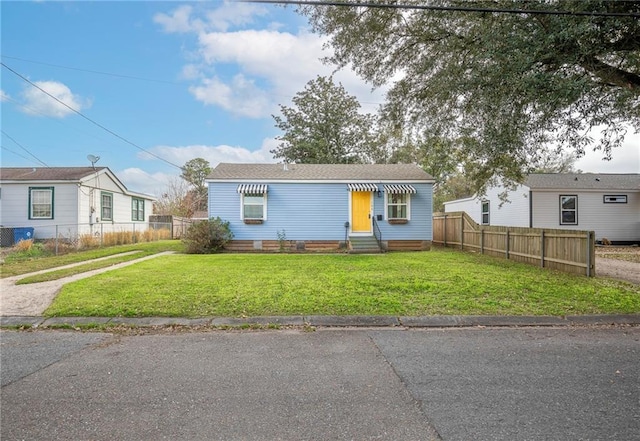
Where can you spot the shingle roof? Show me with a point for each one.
(329, 172)
(46, 174)
(586, 181)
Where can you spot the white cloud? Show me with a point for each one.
(39, 103)
(241, 97)
(179, 21)
(140, 181)
(233, 14)
(4, 96)
(256, 69)
(214, 154)
(228, 15)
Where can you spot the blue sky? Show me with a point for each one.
(178, 80)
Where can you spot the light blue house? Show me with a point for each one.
(363, 207)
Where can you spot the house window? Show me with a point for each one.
(615, 199)
(253, 206)
(40, 202)
(397, 206)
(485, 213)
(137, 209)
(568, 210)
(106, 206)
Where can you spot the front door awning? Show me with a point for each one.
(362, 187)
(253, 188)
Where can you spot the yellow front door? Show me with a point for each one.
(360, 211)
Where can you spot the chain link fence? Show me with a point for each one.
(62, 237)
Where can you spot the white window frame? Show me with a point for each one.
(264, 207)
(387, 204)
(563, 210)
(483, 212)
(43, 190)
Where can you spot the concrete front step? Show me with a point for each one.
(363, 245)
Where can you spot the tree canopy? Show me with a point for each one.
(195, 172)
(324, 127)
(503, 87)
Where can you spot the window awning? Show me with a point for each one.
(253, 188)
(400, 188)
(362, 187)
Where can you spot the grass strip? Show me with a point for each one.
(90, 266)
(440, 281)
(15, 266)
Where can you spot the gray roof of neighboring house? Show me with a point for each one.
(46, 173)
(583, 181)
(52, 174)
(312, 172)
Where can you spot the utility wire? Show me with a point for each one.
(89, 119)
(15, 153)
(129, 77)
(443, 8)
(23, 148)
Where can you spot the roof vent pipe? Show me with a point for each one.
(284, 166)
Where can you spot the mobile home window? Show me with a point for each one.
(106, 206)
(137, 209)
(397, 205)
(615, 199)
(569, 210)
(485, 212)
(40, 202)
(253, 206)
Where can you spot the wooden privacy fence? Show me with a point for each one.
(571, 251)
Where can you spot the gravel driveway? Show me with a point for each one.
(618, 269)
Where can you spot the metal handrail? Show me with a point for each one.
(377, 233)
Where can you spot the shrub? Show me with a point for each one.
(207, 237)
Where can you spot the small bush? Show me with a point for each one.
(206, 237)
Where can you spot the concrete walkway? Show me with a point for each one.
(33, 299)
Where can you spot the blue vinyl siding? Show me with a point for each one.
(314, 212)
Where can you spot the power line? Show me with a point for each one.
(444, 8)
(23, 148)
(89, 119)
(111, 74)
(15, 153)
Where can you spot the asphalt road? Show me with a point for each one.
(331, 384)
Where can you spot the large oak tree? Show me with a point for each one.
(504, 87)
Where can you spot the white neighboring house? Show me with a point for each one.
(608, 204)
(70, 201)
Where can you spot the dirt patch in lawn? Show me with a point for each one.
(621, 263)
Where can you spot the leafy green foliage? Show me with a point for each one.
(324, 127)
(205, 237)
(503, 87)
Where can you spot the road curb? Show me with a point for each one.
(436, 321)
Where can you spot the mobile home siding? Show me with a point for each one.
(514, 212)
(593, 213)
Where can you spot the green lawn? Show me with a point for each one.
(422, 283)
(22, 263)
